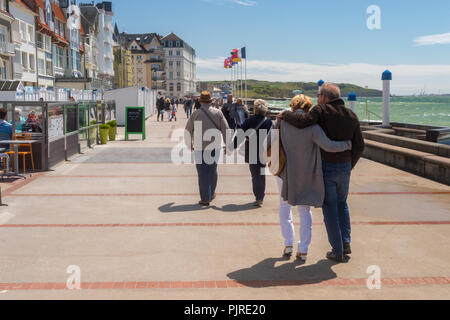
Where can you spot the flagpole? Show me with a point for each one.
(242, 81)
(246, 94)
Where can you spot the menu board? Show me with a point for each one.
(134, 121)
(56, 126)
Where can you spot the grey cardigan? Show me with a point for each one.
(302, 176)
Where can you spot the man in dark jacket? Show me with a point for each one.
(160, 107)
(340, 124)
(226, 109)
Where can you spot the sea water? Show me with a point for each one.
(428, 110)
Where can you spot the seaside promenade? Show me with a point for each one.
(128, 219)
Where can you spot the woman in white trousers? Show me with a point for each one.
(288, 228)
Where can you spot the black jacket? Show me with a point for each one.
(252, 123)
(339, 124)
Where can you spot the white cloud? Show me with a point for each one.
(407, 79)
(246, 3)
(443, 38)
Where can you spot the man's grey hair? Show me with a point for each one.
(330, 91)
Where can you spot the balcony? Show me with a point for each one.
(7, 48)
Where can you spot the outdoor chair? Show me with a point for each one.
(24, 150)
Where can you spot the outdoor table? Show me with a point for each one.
(16, 144)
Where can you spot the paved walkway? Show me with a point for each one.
(128, 218)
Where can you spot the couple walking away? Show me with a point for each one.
(318, 170)
(322, 146)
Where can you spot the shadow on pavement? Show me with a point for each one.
(171, 208)
(265, 274)
(236, 207)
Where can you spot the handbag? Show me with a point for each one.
(276, 166)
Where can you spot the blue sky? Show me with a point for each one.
(300, 40)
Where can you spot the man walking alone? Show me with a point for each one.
(207, 153)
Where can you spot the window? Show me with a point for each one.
(178, 43)
(3, 70)
(32, 62)
(3, 34)
(41, 15)
(57, 27)
(178, 74)
(48, 44)
(23, 31)
(48, 68)
(178, 52)
(40, 41)
(178, 86)
(24, 60)
(31, 33)
(59, 57)
(41, 66)
(170, 53)
(171, 87)
(178, 64)
(3, 4)
(171, 75)
(170, 64)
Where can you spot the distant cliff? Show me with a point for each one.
(267, 89)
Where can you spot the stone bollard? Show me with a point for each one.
(386, 77)
(352, 101)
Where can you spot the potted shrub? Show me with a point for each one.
(104, 132)
(92, 131)
(112, 130)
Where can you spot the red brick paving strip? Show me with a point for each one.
(224, 224)
(357, 282)
(94, 195)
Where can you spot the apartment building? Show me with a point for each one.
(44, 32)
(105, 61)
(180, 67)
(7, 48)
(25, 51)
(147, 59)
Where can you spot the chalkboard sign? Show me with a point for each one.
(134, 121)
(71, 120)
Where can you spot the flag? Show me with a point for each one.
(243, 53)
(235, 56)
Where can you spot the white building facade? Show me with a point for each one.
(105, 43)
(25, 57)
(181, 67)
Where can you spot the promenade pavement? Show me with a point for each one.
(129, 219)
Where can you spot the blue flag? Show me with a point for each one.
(243, 53)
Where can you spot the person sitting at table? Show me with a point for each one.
(32, 124)
(5, 128)
(18, 121)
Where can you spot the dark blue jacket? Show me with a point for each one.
(252, 123)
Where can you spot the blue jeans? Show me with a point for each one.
(189, 111)
(207, 174)
(335, 209)
(258, 181)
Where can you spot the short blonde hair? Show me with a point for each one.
(261, 107)
(301, 102)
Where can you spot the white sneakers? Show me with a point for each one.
(288, 251)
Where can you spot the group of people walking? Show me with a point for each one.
(322, 145)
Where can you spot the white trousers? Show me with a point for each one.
(287, 224)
